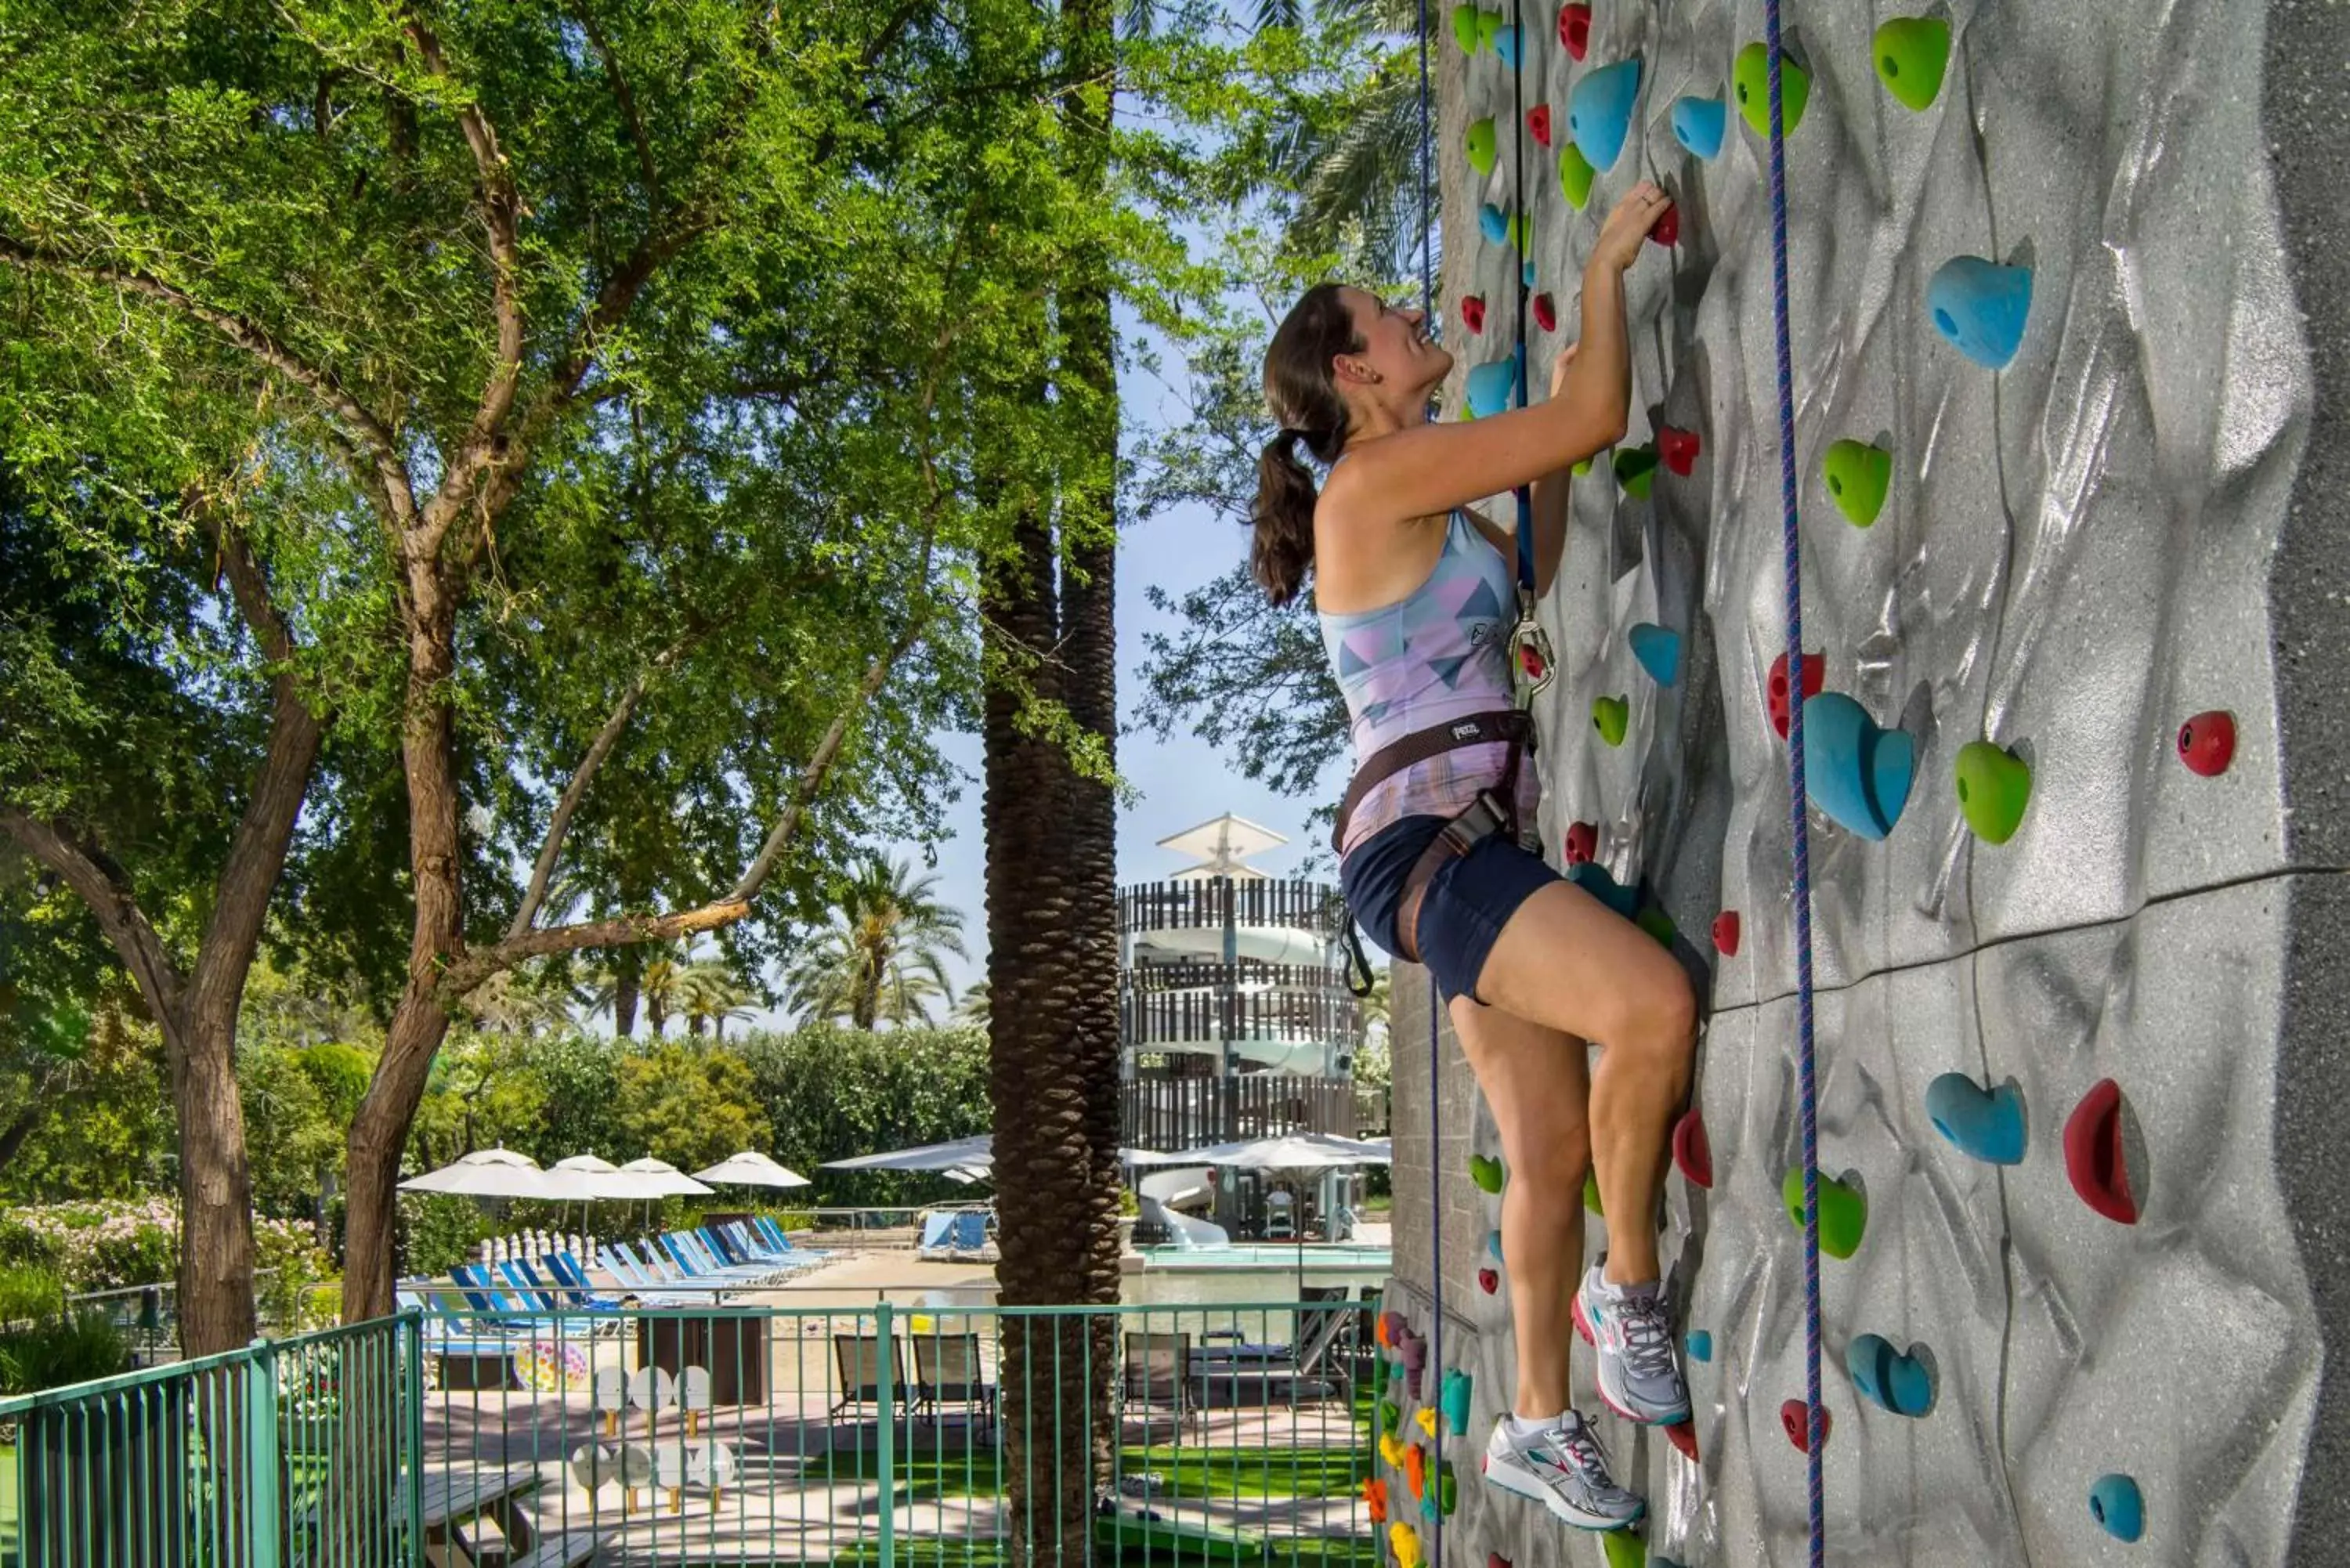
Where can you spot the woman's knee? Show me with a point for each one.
(1657, 1016)
(1554, 1158)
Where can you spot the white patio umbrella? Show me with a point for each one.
(662, 1179)
(964, 1153)
(750, 1168)
(486, 1173)
(587, 1178)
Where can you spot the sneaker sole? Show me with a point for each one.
(1558, 1507)
(1599, 1375)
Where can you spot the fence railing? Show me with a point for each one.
(1167, 1113)
(294, 1453)
(1216, 903)
(954, 1436)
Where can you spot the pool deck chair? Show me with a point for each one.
(948, 1370)
(936, 1228)
(859, 1358)
(1155, 1374)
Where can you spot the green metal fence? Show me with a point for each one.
(294, 1453)
(483, 1430)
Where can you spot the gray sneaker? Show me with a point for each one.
(1639, 1375)
(1562, 1468)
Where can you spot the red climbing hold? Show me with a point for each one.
(1667, 230)
(1681, 1435)
(1472, 312)
(1488, 1281)
(1496, 1560)
(1725, 933)
(1582, 842)
(1538, 124)
(2207, 742)
(1546, 313)
(1574, 29)
(1677, 449)
(1691, 1152)
(1793, 1415)
(2093, 1155)
(1815, 674)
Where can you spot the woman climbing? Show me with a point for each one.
(1416, 595)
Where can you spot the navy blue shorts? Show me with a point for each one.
(1468, 901)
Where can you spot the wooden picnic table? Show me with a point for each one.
(456, 1497)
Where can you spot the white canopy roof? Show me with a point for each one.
(1291, 1151)
(487, 1173)
(664, 1179)
(750, 1168)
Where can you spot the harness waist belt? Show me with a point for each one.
(1503, 724)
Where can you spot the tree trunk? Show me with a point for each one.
(427, 756)
(1088, 390)
(215, 1280)
(627, 964)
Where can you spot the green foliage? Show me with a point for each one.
(688, 1105)
(882, 958)
(29, 1292)
(61, 1352)
(579, 1112)
(440, 1231)
(831, 1092)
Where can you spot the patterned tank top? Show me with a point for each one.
(1440, 653)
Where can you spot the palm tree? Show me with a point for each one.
(883, 959)
(658, 986)
(710, 993)
(973, 1008)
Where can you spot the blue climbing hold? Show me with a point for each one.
(1855, 773)
(1493, 223)
(1980, 306)
(1493, 386)
(1593, 878)
(1528, 272)
(1506, 44)
(1659, 649)
(1600, 111)
(1700, 124)
(1887, 1378)
(1494, 1245)
(1701, 1345)
(1985, 1125)
(2115, 1503)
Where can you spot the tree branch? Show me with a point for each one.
(628, 104)
(247, 584)
(101, 885)
(550, 851)
(369, 439)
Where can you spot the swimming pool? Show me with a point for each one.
(1321, 1258)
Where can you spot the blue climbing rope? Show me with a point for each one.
(1805, 1077)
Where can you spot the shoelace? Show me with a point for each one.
(1581, 1448)
(1648, 1337)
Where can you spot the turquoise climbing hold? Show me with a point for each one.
(1482, 148)
(1911, 54)
(1493, 386)
(1593, 878)
(1493, 223)
(1750, 78)
(1987, 1125)
(1609, 715)
(1506, 44)
(1980, 307)
(2116, 1503)
(1886, 1377)
(1494, 1245)
(1701, 1345)
(1855, 773)
(1994, 786)
(1857, 475)
(1699, 124)
(1455, 1400)
(1600, 111)
(1574, 176)
(1659, 649)
(1528, 275)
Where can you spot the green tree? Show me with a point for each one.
(883, 958)
(833, 1092)
(710, 996)
(689, 1104)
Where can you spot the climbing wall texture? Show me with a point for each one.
(2141, 518)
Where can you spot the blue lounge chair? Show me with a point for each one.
(695, 1257)
(632, 1280)
(969, 1233)
(523, 1277)
(936, 1228)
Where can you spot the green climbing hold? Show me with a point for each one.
(1911, 54)
(1574, 176)
(1446, 1490)
(1844, 1212)
(1657, 924)
(1482, 149)
(1994, 786)
(1859, 475)
(1486, 1172)
(1608, 716)
(1489, 29)
(1582, 469)
(1591, 1193)
(1636, 470)
(1389, 1417)
(1464, 27)
(1624, 1550)
(1751, 79)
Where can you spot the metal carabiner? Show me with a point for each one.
(1531, 665)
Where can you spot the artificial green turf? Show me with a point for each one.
(1227, 1474)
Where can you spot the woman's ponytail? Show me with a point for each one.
(1283, 545)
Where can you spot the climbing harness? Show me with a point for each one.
(1806, 1079)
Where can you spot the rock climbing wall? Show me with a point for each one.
(2069, 332)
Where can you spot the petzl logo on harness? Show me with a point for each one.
(1469, 731)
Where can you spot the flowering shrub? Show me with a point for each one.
(112, 1243)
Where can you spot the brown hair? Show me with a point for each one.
(1304, 399)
